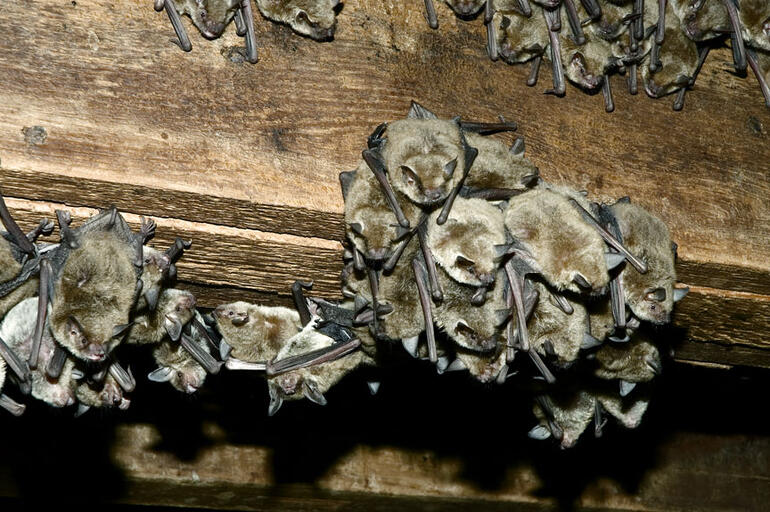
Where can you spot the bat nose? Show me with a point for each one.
(376, 254)
(487, 278)
(432, 193)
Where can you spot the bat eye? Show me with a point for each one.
(408, 174)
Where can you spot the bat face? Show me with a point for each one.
(637, 360)
(519, 38)
(651, 295)
(95, 293)
(371, 225)
(475, 328)
(313, 18)
(679, 56)
(466, 8)
(108, 394)
(564, 249)
(464, 244)
(586, 65)
(183, 372)
(496, 166)
(177, 308)
(155, 266)
(701, 20)
(425, 158)
(209, 16)
(568, 415)
(550, 327)
(610, 26)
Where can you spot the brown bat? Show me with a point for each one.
(211, 17)
(313, 18)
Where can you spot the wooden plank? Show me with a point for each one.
(262, 145)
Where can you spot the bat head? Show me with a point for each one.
(702, 19)
(313, 18)
(466, 8)
(425, 158)
(235, 314)
(177, 308)
(374, 231)
(637, 360)
(584, 65)
(465, 244)
(651, 295)
(520, 38)
(210, 16)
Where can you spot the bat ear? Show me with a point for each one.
(82, 409)
(224, 350)
(518, 148)
(613, 259)
(539, 432)
(161, 374)
(502, 316)
(311, 392)
(173, 327)
(346, 178)
(589, 341)
(410, 345)
(680, 293)
(119, 330)
(417, 111)
(626, 387)
(276, 399)
(456, 366)
(151, 296)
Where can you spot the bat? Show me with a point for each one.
(754, 17)
(93, 280)
(211, 17)
(498, 172)
(556, 242)
(629, 363)
(650, 296)
(472, 327)
(178, 367)
(464, 246)
(563, 416)
(158, 268)
(372, 226)
(552, 332)
(313, 18)
(106, 394)
(18, 329)
(175, 308)
(521, 38)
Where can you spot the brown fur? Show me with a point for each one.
(25, 291)
(572, 412)
(265, 333)
(559, 242)
(149, 327)
(466, 8)
(699, 25)
(585, 65)
(471, 327)
(107, 394)
(471, 231)
(209, 16)
(365, 204)
(549, 323)
(188, 374)
(95, 288)
(755, 19)
(648, 238)
(679, 58)
(400, 290)
(496, 167)
(523, 38)
(9, 267)
(312, 18)
(423, 146)
(484, 367)
(628, 411)
(628, 361)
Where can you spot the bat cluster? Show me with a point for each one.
(67, 308)
(668, 40)
(312, 18)
(456, 249)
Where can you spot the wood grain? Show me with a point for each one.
(261, 145)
